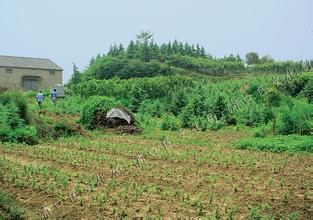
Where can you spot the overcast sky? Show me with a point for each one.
(72, 31)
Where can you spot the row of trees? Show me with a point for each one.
(145, 49)
(144, 58)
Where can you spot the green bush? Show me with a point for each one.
(262, 130)
(219, 107)
(19, 100)
(217, 124)
(296, 119)
(308, 91)
(9, 115)
(281, 143)
(27, 135)
(202, 123)
(170, 123)
(187, 117)
(13, 128)
(96, 106)
(63, 129)
(146, 122)
(10, 207)
(155, 108)
(69, 105)
(24, 134)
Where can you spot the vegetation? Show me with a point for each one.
(292, 143)
(8, 207)
(222, 138)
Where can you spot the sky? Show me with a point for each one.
(72, 31)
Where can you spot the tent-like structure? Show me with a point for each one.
(118, 113)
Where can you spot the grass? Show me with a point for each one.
(278, 144)
(9, 208)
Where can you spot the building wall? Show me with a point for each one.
(14, 80)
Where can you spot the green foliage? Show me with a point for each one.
(19, 100)
(273, 98)
(95, 106)
(262, 131)
(179, 100)
(10, 207)
(69, 105)
(252, 58)
(308, 91)
(9, 115)
(64, 129)
(219, 107)
(207, 66)
(152, 107)
(281, 67)
(13, 128)
(296, 119)
(108, 67)
(187, 116)
(253, 114)
(170, 123)
(290, 143)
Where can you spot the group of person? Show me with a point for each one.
(40, 98)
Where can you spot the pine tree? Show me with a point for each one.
(202, 52)
(92, 60)
(144, 39)
(131, 50)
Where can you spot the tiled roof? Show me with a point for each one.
(28, 62)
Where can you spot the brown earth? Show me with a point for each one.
(140, 177)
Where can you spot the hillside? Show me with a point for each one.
(213, 138)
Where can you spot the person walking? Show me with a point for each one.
(40, 97)
(54, 96)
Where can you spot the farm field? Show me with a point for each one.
(162, 131)
(170, 174)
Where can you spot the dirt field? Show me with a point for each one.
(179, 175)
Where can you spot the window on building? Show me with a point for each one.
(51, 72)
(8, 70)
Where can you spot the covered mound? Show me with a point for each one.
(105, 112)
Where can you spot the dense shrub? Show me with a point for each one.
(171, 123)
(69, 105)
(95, 107)
(208, 66)
(253, 114)
(178, 101)
(19, 100)
(108, 67)
(154, 108)
(262, 131)
(307, 91)
(296, 119)
(188, 117)
(277, 67)
(219, 107)
(64, 129)
(13, 128)
(23, 134)
(291, 143)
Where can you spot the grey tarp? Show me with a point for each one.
(118, 113)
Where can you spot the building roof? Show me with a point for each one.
(28, 62)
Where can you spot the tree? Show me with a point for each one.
(76, 78)
(145, 39)
(92, 60)
(219, 108)
(266, 59)
(252, 58)
(272, 100)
